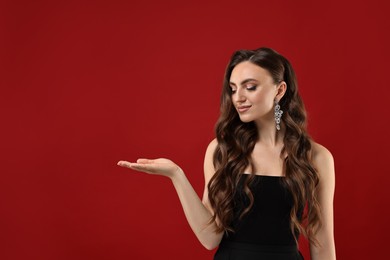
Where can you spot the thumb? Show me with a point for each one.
(144, 161)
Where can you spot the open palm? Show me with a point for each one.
(159, 166)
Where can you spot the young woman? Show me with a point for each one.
(266, 180)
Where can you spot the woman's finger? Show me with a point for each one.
(140, 166)
(144, 161)
(159, 166)
(124, 164)
(137, 166)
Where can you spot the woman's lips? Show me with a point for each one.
(243, 109)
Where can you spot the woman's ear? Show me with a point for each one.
(281, 90)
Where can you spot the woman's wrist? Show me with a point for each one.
(177, 174)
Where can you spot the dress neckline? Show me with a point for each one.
(261, 175)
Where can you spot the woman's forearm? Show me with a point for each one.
(198, 216)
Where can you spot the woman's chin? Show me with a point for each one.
(245, 119)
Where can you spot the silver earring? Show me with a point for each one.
(278, 114)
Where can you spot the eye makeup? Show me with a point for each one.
(248, 83)
(251, 87)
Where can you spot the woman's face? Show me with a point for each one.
(253, 92)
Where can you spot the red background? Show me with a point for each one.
(85, 84)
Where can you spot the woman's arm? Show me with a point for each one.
(198, 213)
(323, 162)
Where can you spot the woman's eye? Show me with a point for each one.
(233, 91)
(251, 87)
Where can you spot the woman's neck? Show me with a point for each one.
(268, 135)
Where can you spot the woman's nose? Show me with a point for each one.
(240, 95)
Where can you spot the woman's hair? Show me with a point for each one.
(236, 141)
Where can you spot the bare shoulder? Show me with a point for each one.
(209, 171)
(320, 153)
(211, 147)
(208, 160)
(322, 160)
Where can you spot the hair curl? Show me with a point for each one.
(236, 141)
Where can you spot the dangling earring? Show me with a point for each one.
(278, 114)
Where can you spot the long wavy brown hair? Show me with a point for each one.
(236, 141)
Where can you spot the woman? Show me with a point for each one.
(266, 180)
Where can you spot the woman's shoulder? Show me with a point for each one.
(209, 169)
(213, 144)
(321, 158)
(211, 149)
(320, 152)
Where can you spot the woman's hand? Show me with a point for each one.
(159, 166)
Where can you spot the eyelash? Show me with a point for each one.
(250, 88)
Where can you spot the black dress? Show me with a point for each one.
(264, 233)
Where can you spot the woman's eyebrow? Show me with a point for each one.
(242, 82)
